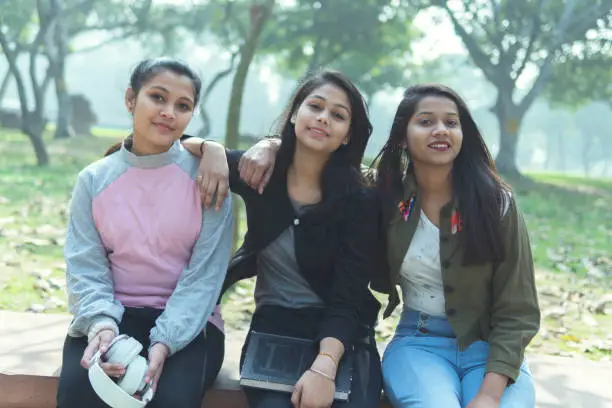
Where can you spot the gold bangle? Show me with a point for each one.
(335, 361)
(321, 373)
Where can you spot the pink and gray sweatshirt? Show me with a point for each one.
(139, 237)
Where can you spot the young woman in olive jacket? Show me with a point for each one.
(458, 248)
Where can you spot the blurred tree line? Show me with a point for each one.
(528, 51)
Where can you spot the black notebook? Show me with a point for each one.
(274, 362)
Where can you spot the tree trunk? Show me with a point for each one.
(205, 129)
(561, 157)
(34, 128)
(509, 118)
(586, 157)
(63, 128)
(206, 123)
(549, 151)
(259, 17)
(246, 57)
(57, 63)
(4, 85)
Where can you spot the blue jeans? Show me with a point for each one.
(423, 367)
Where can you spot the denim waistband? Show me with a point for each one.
(415, 323)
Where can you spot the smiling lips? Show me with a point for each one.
(163, 127)
(439, 146)
(318, 132)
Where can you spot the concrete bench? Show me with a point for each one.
(30, 352)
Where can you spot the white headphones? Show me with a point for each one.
(122, 350)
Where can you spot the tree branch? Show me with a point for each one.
(314, 59)
(545, 68)
(82, 5)
(102, 27)
(211, 85)
(533, 36)
(11, 57)
(122, 36)
(481, 59)
(220, 75)
(494, 39)
(46, 21)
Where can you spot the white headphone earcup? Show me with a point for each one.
(123, 351)
(133, 379)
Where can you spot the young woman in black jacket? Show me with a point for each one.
(311, 241)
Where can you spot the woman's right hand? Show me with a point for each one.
(100, 342)
(257, 163)
(213, 174)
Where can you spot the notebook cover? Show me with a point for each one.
(276, 363)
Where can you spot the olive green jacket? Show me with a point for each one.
(496, 303)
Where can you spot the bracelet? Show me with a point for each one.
(321, 373)
(335, 361)
(202, 148)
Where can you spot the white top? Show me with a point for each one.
(421, 273)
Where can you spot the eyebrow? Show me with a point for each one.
(337, 104)
(161, 88)
(431, 113)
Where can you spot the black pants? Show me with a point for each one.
(366, 384)
(185, 376)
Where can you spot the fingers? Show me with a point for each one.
(156, 378)
(257, 176)
(154, 372)
(246, 169)
(296, 396)
(254, 174)
(265, 179)
(113, 370)
(105, 340)
(205, 182)
(213, 187)
(222, 192)
(90, 351)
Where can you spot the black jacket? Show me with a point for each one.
(335, 248)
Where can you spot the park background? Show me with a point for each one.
(537, 75)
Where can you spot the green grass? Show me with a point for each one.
(33, 213)
(569, 220)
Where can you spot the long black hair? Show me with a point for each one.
(480, 192)
(149, 68)
(342, 173)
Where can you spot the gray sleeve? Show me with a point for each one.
(199, 286)
(88, 276)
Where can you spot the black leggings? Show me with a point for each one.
(366, 384)
(185, 377)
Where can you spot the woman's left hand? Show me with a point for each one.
(313, 391)
(482, 400)
(157, 357)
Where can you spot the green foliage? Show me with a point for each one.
(577, 82)
(18, 19)
(505, 37)
(368, 40)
